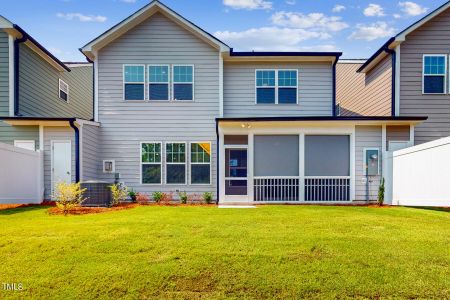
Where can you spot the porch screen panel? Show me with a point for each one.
(327, 155)
(276, 155)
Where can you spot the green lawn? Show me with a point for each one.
(193, 252)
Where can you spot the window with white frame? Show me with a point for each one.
(434, 74)
(151, 163)
(183, 82)
(63, 91)
(134, 82)
(201, 163)
(158, 82)
(176, 163)
(276, 86)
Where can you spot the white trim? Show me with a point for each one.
(365, 157)
(41, 137)
(168, 82)
(52, 185)
(80, 149)
(173, 82)
(202, 163)
(17, 142)
(411, 135)
(96, 89)
(113, 166)
(11, 74)
(221, 166)
(383, 152)
(220, 85)
(397, 81)
(445, 73)
(301, 167)
(353, 164)
(176, 163)
(250, 165)
(276, 87)
(125, 82)
(63, 84)
(141, 163)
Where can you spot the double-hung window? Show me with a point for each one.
(265, 87)
(134, 82)
(276, 86)
(434, 74)
(287, 86)
(63, 91)
(201, 163)
(183, 82)
(158, 82)
(176, 163)
(151, 163)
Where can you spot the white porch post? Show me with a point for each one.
(383, 150)
(250, 167)
(352, 165)
(301, 167)
(221, 163)
(411, 135)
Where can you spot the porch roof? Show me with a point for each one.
(47, 121)
(363, 120)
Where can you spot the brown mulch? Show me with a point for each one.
(82, 210)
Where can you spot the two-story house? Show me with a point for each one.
(43, 103)
(179, 110)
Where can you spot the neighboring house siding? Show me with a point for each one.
(91, 163)
(366, 137)
(396, 133)
(431, 38)
(4, 74)
(10, 133)
(55, 133)
(39, 88)
(125, 124)
(315, 90)
(362, 94)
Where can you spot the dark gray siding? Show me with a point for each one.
(38, 88)
(432, 38)
(91, 163)
(4, 74)
(315, 90)
(157, 40)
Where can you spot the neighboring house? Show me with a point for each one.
(179, 110)
(43, 103)
(407, 76)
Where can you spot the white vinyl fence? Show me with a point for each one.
(421, 174)
(21, 176)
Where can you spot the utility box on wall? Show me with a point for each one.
(372, 161)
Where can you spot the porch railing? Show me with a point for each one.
(334, 188)
(280, 188)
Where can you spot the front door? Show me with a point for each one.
(61, 162)
(236, 174)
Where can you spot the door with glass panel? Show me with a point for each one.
(235, 173)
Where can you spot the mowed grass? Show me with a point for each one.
(205, 252)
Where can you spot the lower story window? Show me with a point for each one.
(151, 163)
(176, 163)
(201, 163)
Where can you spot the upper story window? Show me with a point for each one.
(158, 82)
(183, 82)
(276, 86)
(134, 82)
(434, 74)
(63, 91)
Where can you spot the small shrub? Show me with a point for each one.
(68, 196)
(132, 194)
(183, 197)
(157, 196)
(381, 193)
(207, 197)
(142, 198)
(119, 193)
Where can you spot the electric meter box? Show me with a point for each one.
(372, 162)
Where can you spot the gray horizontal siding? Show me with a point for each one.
(91, 163)
(4, 74)
(366, 137)
(364, 94)
(396, 133)
(38, 88)
(125, 124)
(314, 90)
(431, 38)
(50, 134)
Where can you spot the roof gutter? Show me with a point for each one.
(17, 42)
(376, 54)
(77, 150)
